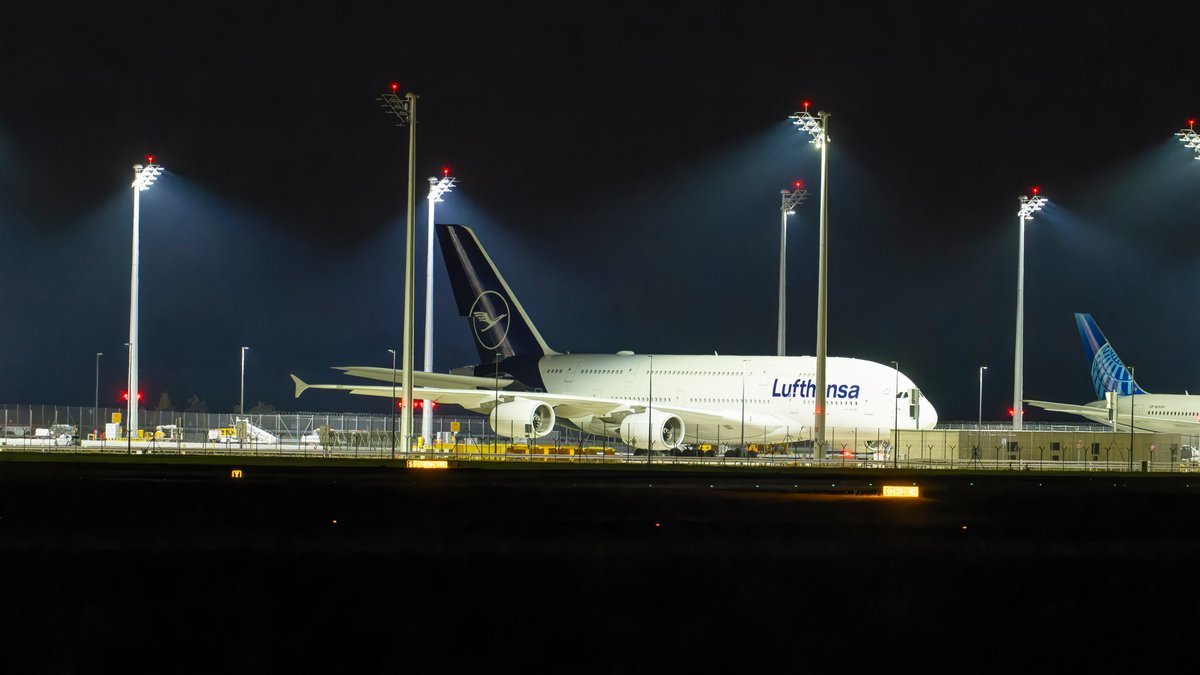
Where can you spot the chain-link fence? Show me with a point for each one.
(1090, 447)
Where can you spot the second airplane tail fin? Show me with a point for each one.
(498, 323)
(1108, 371)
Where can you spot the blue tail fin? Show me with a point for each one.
(1108, 372)
(497, 321)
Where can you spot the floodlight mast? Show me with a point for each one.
(1029, 206)
(790, 199)
(405, 111)
(818, 129)
(437, 188)
(143, 178)
(1190, 138)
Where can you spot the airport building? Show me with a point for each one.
(1085, 446)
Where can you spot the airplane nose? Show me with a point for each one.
(929, 416)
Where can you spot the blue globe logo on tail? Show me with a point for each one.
(1108, 372)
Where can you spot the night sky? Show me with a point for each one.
(622, 164)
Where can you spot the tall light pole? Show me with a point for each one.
(437, 188)
(979, 419)
(818, 129)
(393, 353)
(1132, 400)
(1190, 138)
(896, 418)
(745, 454)
(96, 403)
(790, 200)
(1029, 205)
(979, 422)
(242, 394)
(143, 178)
(405, 110)
(650, 412)
(495, 403)
(128, 436)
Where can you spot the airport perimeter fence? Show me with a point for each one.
(51, 428)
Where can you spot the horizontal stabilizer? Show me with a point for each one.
(1071, 408)
(422, 379)
(300, 385)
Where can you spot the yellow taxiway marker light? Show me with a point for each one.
(236, 473)
(901, 491)
(427, 464)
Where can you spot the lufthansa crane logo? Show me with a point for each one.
(489, 317)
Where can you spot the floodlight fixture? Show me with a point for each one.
(1190, 138)
(437, 188)
(400, 106)
(805, 122)
(793, 198)
(144, 176)
(790, 199)
(1030, 204)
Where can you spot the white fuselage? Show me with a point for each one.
(1164, 413)
(770, 398)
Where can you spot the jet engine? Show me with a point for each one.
(664, 429)
(522, 418)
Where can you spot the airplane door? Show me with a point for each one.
(572, 368)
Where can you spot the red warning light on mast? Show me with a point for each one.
(1192, 123)
(806, 103)
(1035, 190)
(799, 185)
(445, 171)
(395, 87)
(149, 159)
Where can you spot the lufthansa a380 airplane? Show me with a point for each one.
(1166, 413)
(655, 402)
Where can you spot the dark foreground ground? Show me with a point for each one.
(179, 568)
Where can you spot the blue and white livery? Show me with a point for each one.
(650, 401)
(1166, 413)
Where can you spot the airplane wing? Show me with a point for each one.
(565, 405)
(1084, 410)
